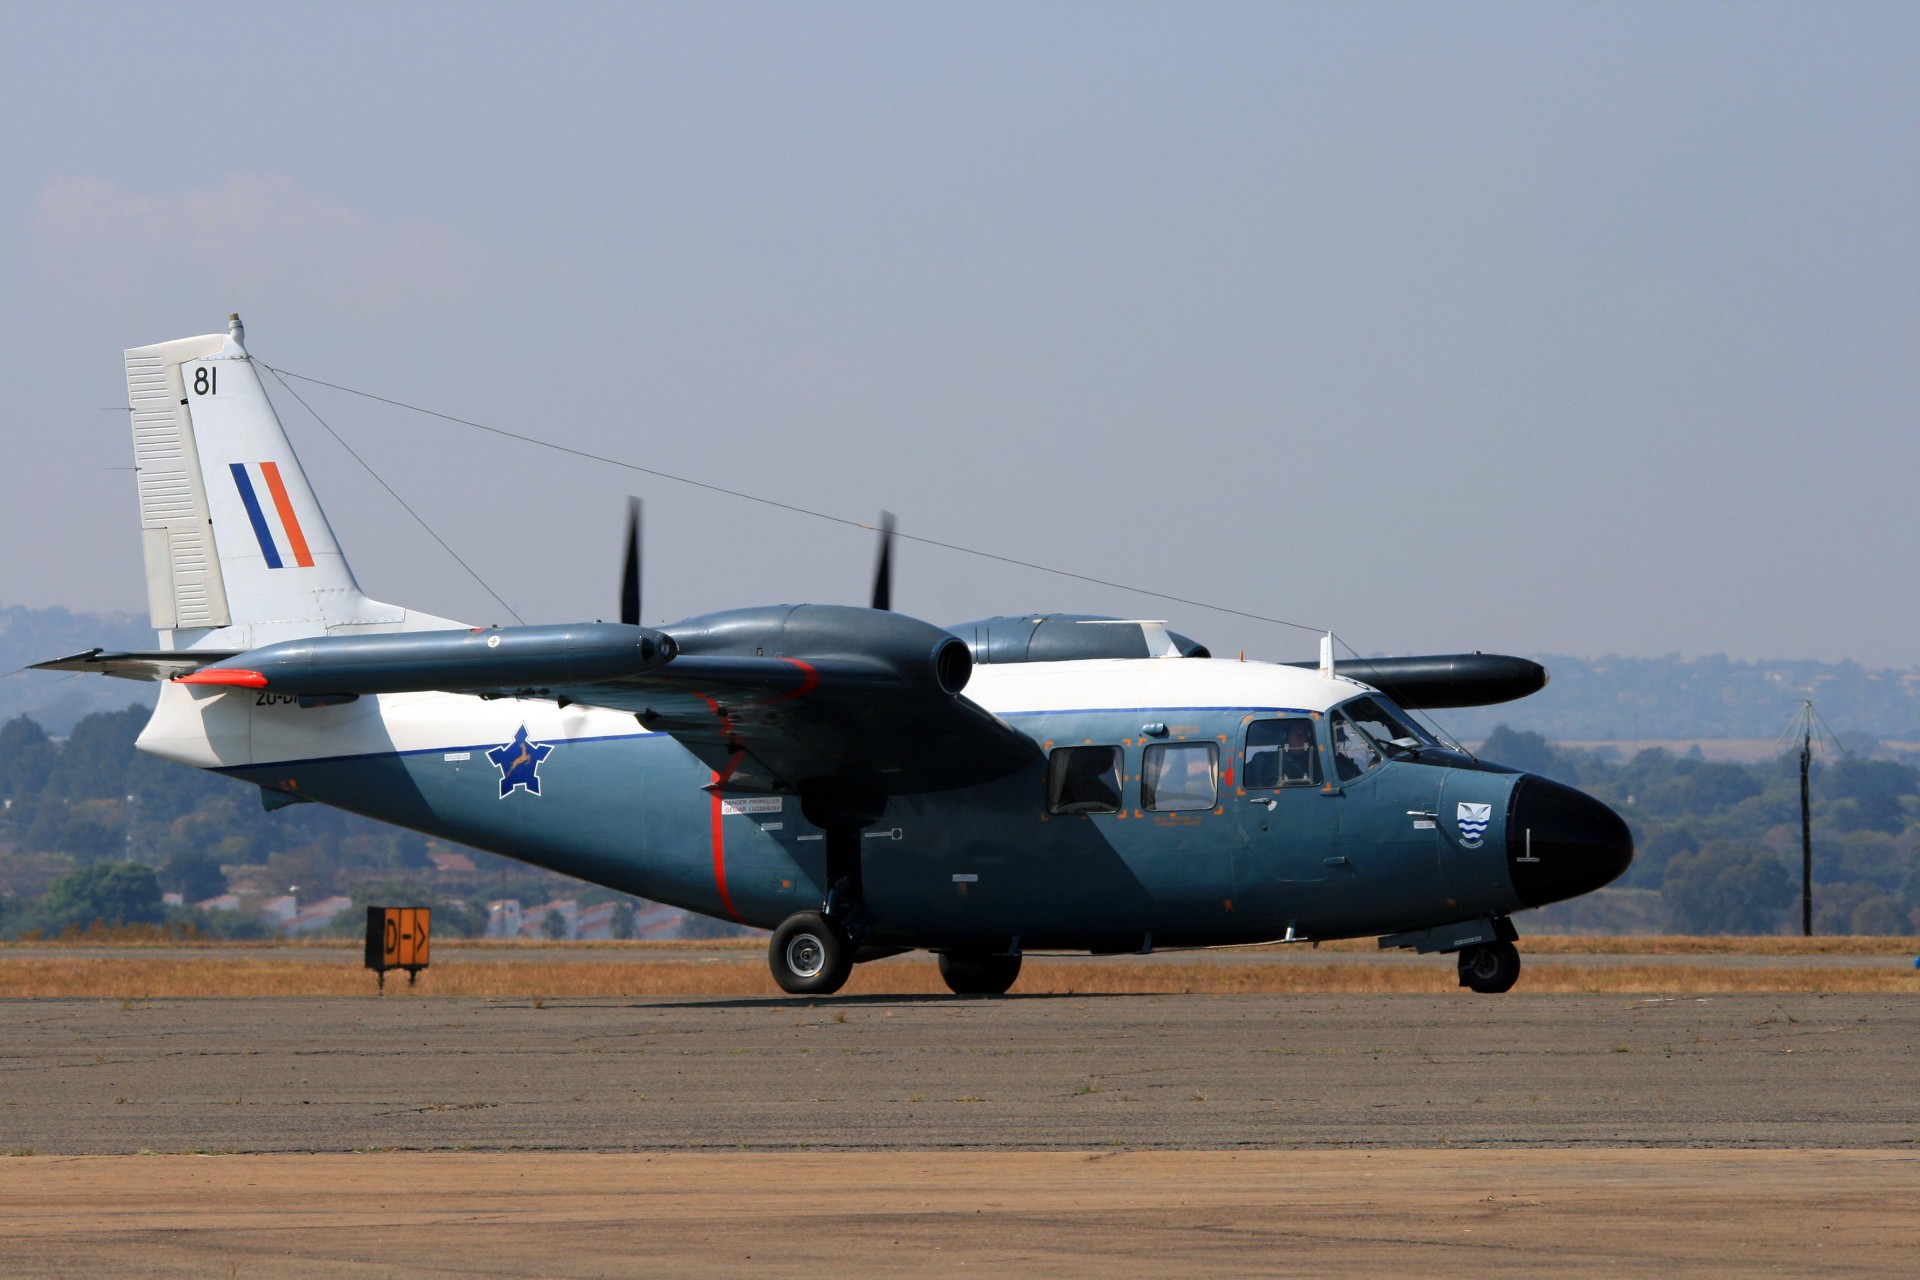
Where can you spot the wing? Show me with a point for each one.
(769, 699)
(777, 724)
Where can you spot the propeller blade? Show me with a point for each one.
(883, 572)
(630, 572)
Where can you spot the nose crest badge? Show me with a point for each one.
(1472, 820)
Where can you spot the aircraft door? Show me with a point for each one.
(1389, 807)
(1288, 816)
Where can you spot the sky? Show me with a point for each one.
(1576, 329)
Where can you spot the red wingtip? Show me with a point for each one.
(224, 675)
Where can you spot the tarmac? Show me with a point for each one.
(929, 1074)
(1111, 1135)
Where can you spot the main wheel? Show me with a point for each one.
(971, 973)
(809, 955)
(1490, 968)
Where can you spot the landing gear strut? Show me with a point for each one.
(812, 952)
(1490, 967)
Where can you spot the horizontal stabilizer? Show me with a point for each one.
(164, 664)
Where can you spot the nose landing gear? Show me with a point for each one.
(1490, 967)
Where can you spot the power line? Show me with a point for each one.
(391, 492)
(283, 374)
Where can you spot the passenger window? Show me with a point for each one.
(1353, 755)
(1083, 780)
(1179, 775)
(1281, 753)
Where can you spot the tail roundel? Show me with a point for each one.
(238, 551)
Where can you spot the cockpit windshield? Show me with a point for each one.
(1383, 726)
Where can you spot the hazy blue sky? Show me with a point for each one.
(1517, 327)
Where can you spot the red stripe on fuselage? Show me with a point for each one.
(720, 853)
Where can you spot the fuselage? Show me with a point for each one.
(1209, 802)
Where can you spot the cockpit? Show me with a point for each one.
(1367, 730)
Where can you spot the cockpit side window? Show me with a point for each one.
(1386, 725)
(1281, 753)
(1179, 775)
(1353, 755)
(1083, 780)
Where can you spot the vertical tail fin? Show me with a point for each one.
(238, 551)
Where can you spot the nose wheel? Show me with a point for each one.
(1490, 968)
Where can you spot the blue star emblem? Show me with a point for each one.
(519, 763)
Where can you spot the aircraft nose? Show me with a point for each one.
(1562, 843)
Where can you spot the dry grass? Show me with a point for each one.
(1541, 944)
(135, 976)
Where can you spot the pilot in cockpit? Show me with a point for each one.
(1299, 760)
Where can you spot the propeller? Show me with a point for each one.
(883, 571)
(630, 571)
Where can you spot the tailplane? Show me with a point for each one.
(238, 551)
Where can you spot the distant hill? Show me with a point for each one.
(1590, 700)
(1628, 700)
(59, 701)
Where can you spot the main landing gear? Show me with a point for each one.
(1490, 967)
(810, 955)
(812, 952)
(968, 973)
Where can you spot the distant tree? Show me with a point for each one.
(1727, 887)
(623, 914)
(1521, 749)
(1860, 909)
(93, 830)
(113, 893)
(1865, 856)
(195, 876)
(29, 757)
(1717, 786)
(554, 926)
(1653, 850)
(1875, 788)
(410, 851)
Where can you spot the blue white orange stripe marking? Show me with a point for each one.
(282, 507)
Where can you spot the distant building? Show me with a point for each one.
(503, 918)
(281, 909)
(225, 902)
(318, 916)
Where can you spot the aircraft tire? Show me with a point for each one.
(1490, 968)
(809, 955)
(971, 973)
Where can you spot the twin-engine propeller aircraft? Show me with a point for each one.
(860, 782)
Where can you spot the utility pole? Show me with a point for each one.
(1806, 824)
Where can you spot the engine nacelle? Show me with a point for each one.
(893, 646)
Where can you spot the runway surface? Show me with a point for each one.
(644, 954)
(1604, 1214)
(929, 1074)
